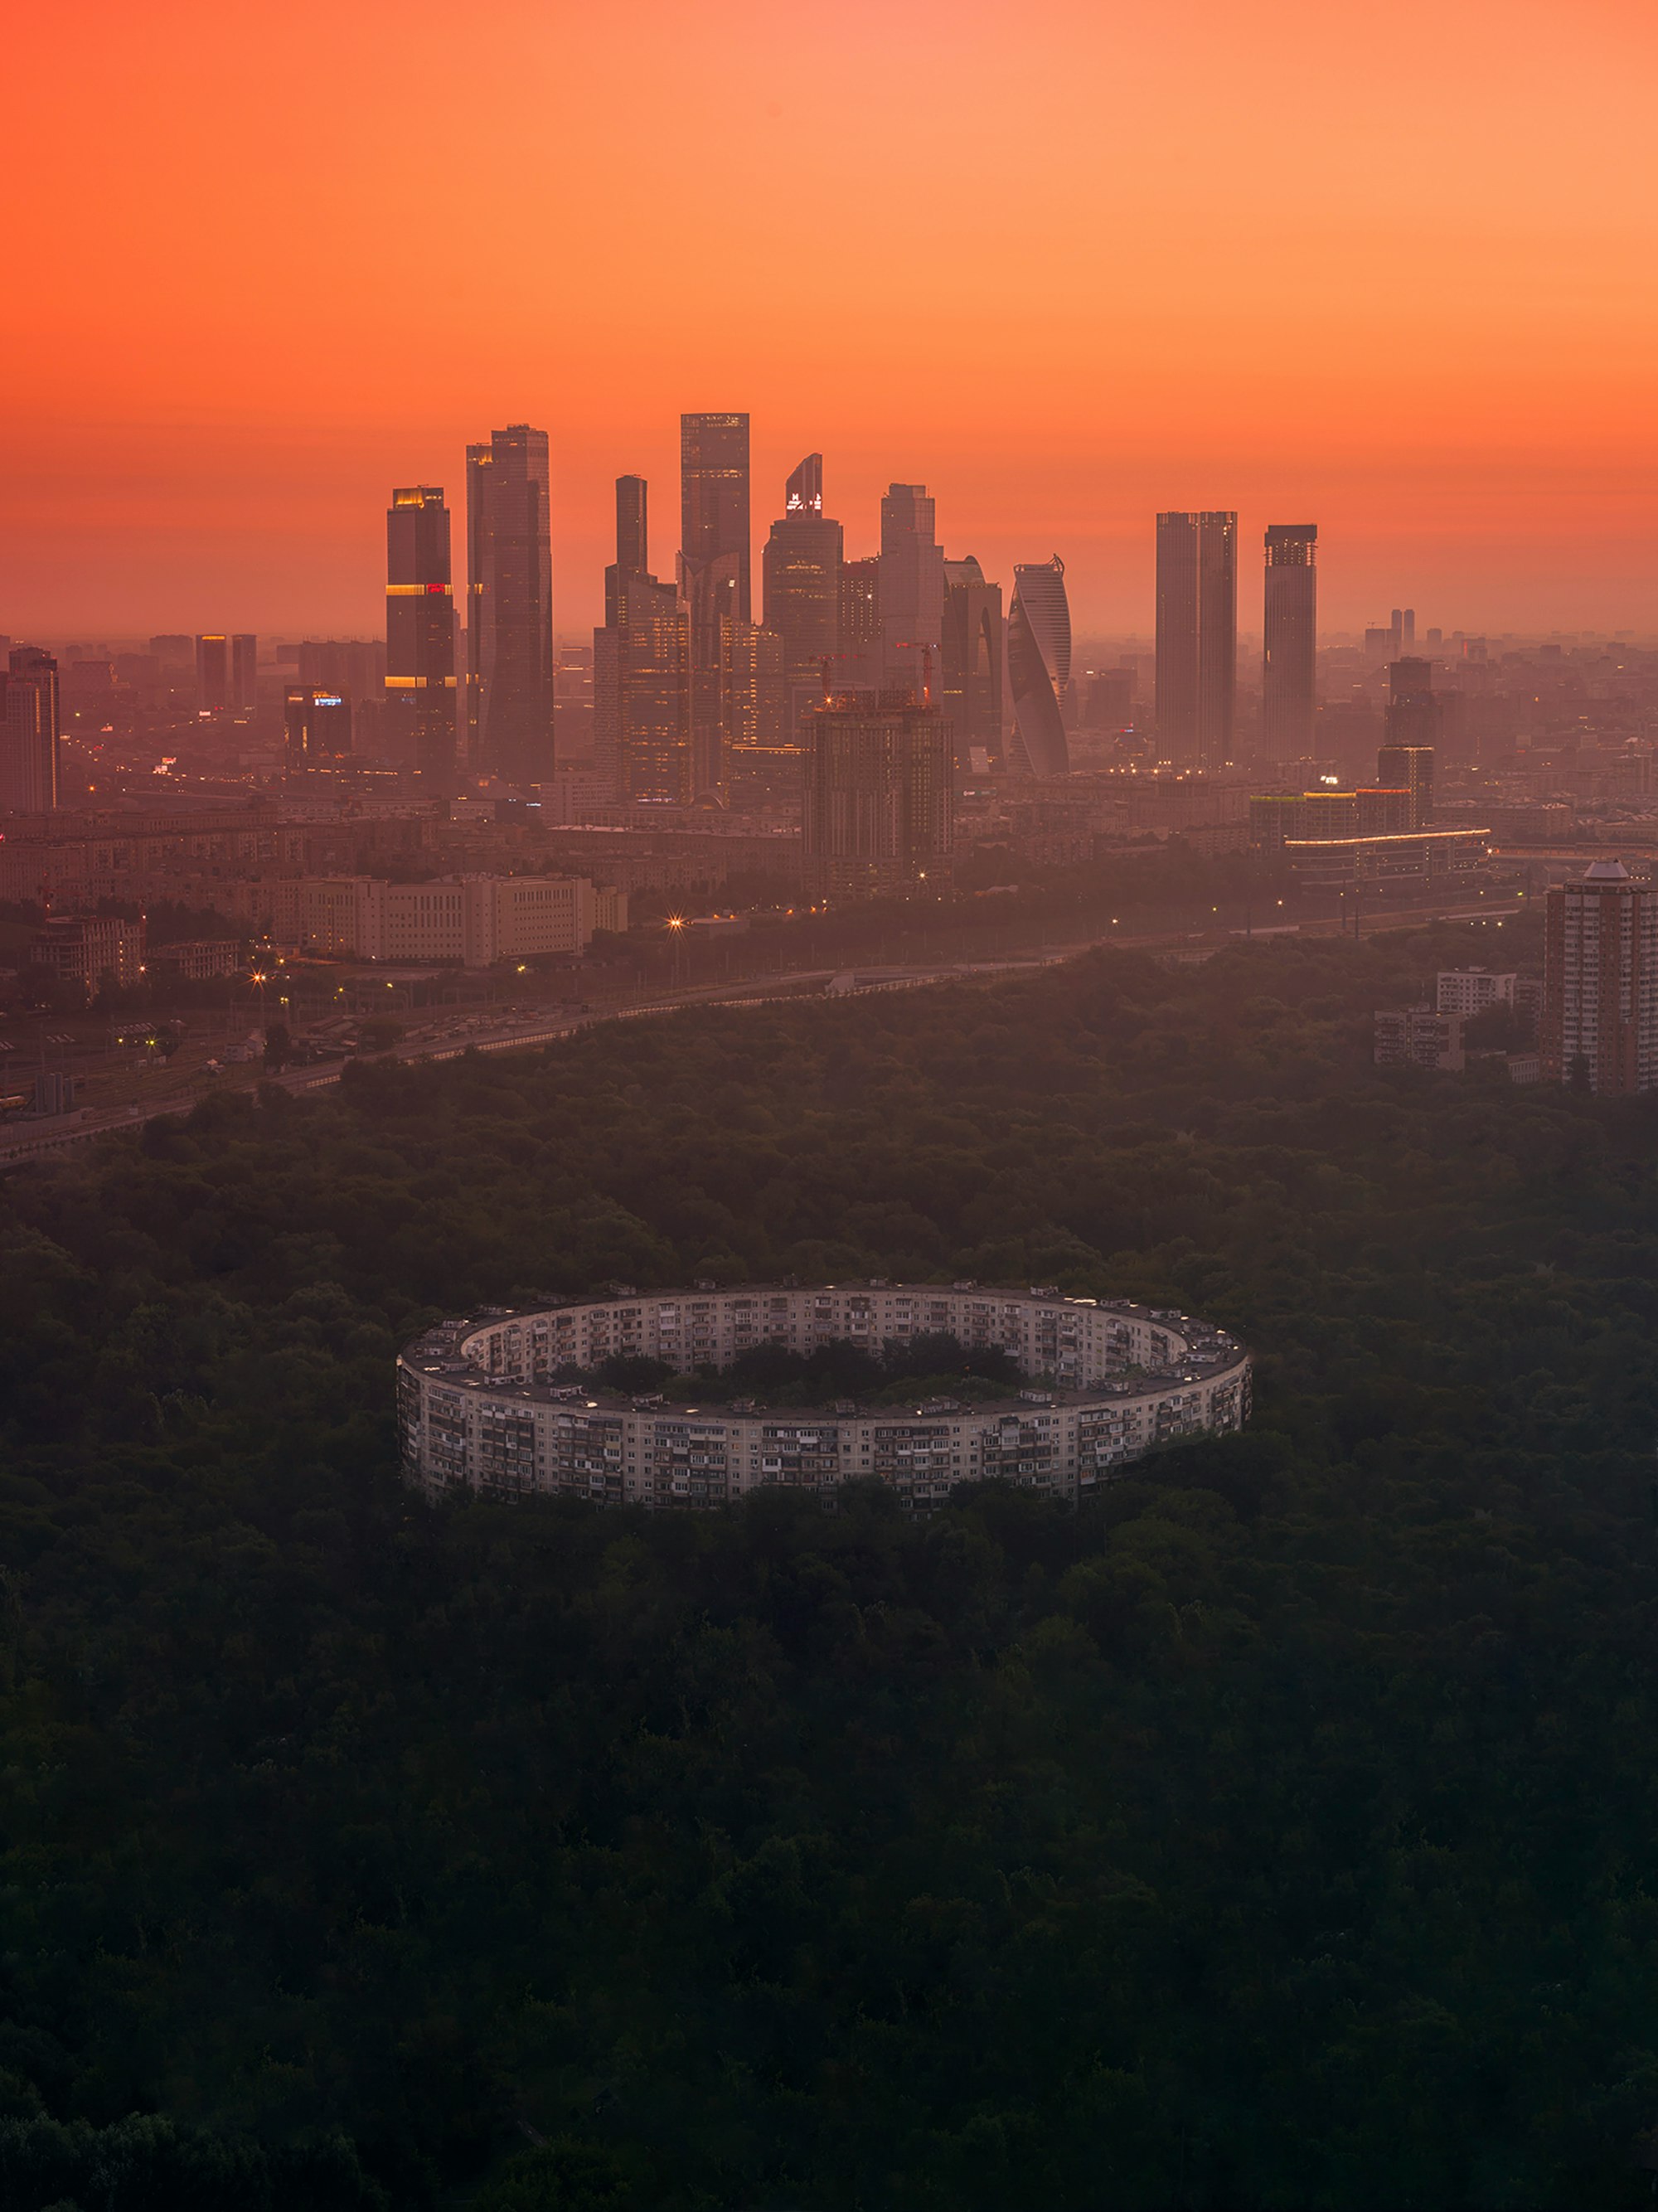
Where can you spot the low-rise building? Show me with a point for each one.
(1471, 990)
(473, 919)
(90, 950)
(1418, 1037)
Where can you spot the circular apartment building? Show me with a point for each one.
(480, 1409)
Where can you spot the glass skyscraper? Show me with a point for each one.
(1289, 687)
(1039, 666)
(1197, 637)
(419, 634)
(801, 571)
(509, 606)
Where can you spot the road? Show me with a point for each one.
(449, 1037)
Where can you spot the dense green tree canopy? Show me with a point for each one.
(1282, 1832)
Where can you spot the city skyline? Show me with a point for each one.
(1439, 354)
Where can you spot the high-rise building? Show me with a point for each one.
(631, 538)
(877, 799)
(912, 589)
(212, 674)
(714, 570)
(1409, 769)
(970, 686)
(509, 606)
(1197, 637)
(714, 509)
(1039, 666)
(1413, 710)
(1600, 1027)
(29, 733)
(419, 722)
(1110, 701)
(1289, 666)
(243, 671)
(641, 668)
(800, 569)
(318, 726)
(858, 666)
(754, 696)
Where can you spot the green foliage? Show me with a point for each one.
(1279, 1831)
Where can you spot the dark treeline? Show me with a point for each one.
(1283, 1831)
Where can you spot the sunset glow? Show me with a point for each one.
(1066, 265)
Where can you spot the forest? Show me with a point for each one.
(1282, 1832)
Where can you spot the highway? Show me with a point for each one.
(450, 1036)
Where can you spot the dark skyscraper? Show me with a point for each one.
(29, 733)
(419, 729)
(800, 569)
(244, 672)
(1288, 668)
(912, 587)
(631, 538)
(318, 723)
(1197, 637)
(1039, 666)
(1406, 761)
(509, 606)
(642, 667)
(877, 809)
(212, 672)
(859, 667)
(713, 555)
(970, 662)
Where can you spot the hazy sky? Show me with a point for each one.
(1388, 270)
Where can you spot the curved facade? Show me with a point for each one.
(479, 1408)
(1039, 665)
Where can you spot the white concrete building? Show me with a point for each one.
(1471, 990)
(474, 920)
(481, 1407)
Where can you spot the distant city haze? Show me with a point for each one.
(1069, 267)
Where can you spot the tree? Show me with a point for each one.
(278, 1046)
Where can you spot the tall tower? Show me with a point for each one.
(1039, 666)
(509, 606)
(911, 586)
(243, 671)
(420, 635)
(29, 730)
(1197, 637)
(642, 667)
(714, 568)
(860, 664)
(800, 569)
(1601, 981)
(1288, 666)
(212, 672)
(970, 662)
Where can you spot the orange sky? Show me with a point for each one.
(1389, 270)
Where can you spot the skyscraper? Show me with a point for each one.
(970, 662)
(419, 729)
(1288, 666)
(642, 667)
(631, 538)
(29, 733)
(1039, 666)
(911, 587)
(860, 666)
(878, 800)
(1413, 710)
(318, 726)
(212, 672)
(713, 569)
(243, 671)
(509, 606)
(1197, 637)
(1601, 981)
(800, 569)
